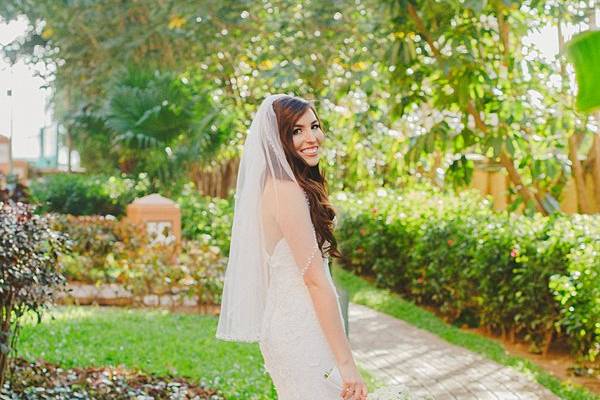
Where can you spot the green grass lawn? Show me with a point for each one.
(153, 341)
(363, 292)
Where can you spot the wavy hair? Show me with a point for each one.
(288, 111)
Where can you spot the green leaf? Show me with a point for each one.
(584, 52)
(510, 147)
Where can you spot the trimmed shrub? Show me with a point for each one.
(87, 194)
(529, 278)
(107, 250)
(578, 293)
(209, 218)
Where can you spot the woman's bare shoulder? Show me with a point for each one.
(289, 189)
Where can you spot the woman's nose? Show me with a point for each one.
(311, 137)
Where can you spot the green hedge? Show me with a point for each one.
(87, 194)
(530, 278)
(209, 218)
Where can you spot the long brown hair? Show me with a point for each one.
(288, 111)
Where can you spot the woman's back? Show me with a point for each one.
(294, 348)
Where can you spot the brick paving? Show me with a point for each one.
(396, 352)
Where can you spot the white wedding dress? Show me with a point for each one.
(273, 246)
(294, 348)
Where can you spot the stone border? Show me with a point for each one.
(114, 294)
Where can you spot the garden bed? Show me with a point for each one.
(43, 380)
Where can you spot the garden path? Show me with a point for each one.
(398, 353)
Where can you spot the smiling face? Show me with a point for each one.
(307, 138)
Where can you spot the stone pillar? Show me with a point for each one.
(159, 214)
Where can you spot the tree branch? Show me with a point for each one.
(505, 158)
(515, 178)
(578, 175)
(507, 162)
(503, 29)
(423, 31)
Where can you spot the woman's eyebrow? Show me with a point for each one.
(300, 126)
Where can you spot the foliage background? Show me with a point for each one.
(415, 87)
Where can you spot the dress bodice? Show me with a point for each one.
(295, 350)
(283, 261)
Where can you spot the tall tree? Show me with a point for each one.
(495, 95)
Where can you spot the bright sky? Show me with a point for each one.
(29, 101)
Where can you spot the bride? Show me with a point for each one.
(278, 289)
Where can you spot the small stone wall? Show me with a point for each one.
(113, 294)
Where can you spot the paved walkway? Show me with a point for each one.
(398, 353)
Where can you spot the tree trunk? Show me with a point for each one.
(596, 166)
(578, 176)
(69, 149)
(3, 368)
(216, 181)
(515, 178)
(5, 316)
(549, 337)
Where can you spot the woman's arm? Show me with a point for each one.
(294, 221)
(326, 308)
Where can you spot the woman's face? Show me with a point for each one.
(308, 136)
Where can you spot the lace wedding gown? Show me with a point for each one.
(294, 348)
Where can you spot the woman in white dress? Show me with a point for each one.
(278, 288)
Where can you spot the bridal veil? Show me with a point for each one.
(247, 273)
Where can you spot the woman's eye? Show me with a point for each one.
(296, 131)
(316, 126)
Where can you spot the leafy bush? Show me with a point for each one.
(578, 293)
(28, 259)
(208, 217)
(87, 194)
(200, 269)
(107, 250)
(99, 243)
(531, 278)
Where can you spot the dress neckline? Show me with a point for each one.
(277, 245)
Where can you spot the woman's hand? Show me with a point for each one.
(353, 386)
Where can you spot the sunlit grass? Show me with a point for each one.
(362, 292)
(153, 341)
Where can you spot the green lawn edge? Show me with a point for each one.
(360, 291)
(153, 341)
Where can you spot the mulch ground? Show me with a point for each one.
(42, 380)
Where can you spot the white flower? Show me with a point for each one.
(493, 119)
(470, 122)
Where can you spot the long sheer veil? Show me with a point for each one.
(246, 276)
